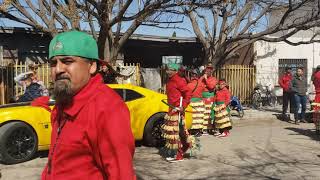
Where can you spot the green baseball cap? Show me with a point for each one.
(74, 43)
(173, 66)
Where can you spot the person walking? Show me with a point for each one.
(298, 86)
(91, 136)
(175, 133)
(208, 94)
(284, 82)
(196, 86)
(221, 111)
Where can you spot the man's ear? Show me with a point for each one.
(93, 67)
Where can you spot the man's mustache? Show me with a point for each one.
(61, 77)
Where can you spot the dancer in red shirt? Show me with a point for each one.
(208, 94)
(196, 86)
(175, 133)
(221, 111)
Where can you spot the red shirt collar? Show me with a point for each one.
(83, 96)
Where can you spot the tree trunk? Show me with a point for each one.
(102, 42)
(114, 53)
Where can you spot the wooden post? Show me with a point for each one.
(1, 85)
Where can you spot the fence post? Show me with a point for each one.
(1, 56)
(1, 64)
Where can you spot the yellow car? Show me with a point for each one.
(25, 129)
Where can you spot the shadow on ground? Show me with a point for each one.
(306, 132)
(264, 161)
(263, 164)
(280, 117)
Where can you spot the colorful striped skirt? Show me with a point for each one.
(221, 116)
(198, 110)
(208, 101)
(177, 137)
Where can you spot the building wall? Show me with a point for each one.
(268, 55)
(24, 45)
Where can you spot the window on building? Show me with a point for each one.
(294, 64)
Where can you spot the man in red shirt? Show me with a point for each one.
(316, 82)
(91, 135)
(284, 82)
(196, 86)
(208, 94)
(221, 114)
(176, 135)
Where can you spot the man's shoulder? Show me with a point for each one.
(178, 80)
(34, 86)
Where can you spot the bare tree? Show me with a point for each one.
(44, 15)
(111, 16)
(225, 26)
(115, 20)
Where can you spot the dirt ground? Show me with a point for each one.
(260, 147)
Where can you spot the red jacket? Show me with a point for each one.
(210, 83)
(96, 138)
(196, 89)
(284, 81)
(316, 81)
(176, 88)
(223, 95)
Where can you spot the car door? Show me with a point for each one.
(135, 103)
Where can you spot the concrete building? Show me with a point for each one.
(272, 58)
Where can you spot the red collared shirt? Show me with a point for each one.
(176, 88)
(95, 141)
(223, 95)
(196, 86)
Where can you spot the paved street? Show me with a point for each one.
(260, 147)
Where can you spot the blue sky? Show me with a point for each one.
(141, 30)
(147, 30)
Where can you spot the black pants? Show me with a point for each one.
(288, 97)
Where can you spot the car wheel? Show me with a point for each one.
(152, 135)
(18, 143)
